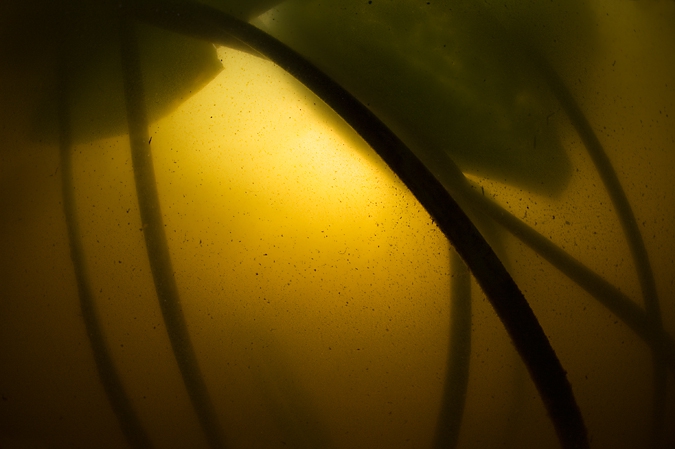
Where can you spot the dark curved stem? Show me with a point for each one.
(509, 303)
(155, 239)
(119, 401)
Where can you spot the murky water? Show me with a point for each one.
(316, 290)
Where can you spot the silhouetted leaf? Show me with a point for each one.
(81, 38)
(445, 76)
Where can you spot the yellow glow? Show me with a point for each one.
(308, 272)
(315, 288)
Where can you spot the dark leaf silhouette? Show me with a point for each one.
(447, 77)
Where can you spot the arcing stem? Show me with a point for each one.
(155, 238)
(630, 229)
(604, 292)
(128, 420)
(520, 322)
(459, 352)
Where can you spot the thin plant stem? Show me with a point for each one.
(459, 354)
(479, 205)
(156, 242)
(605, 293)
(630, 229)
(120, 402)
(506, 298)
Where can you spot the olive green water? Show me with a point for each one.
(315, 288)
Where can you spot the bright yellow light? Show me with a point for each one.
(297, 252)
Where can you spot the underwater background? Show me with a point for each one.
(318, 298)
